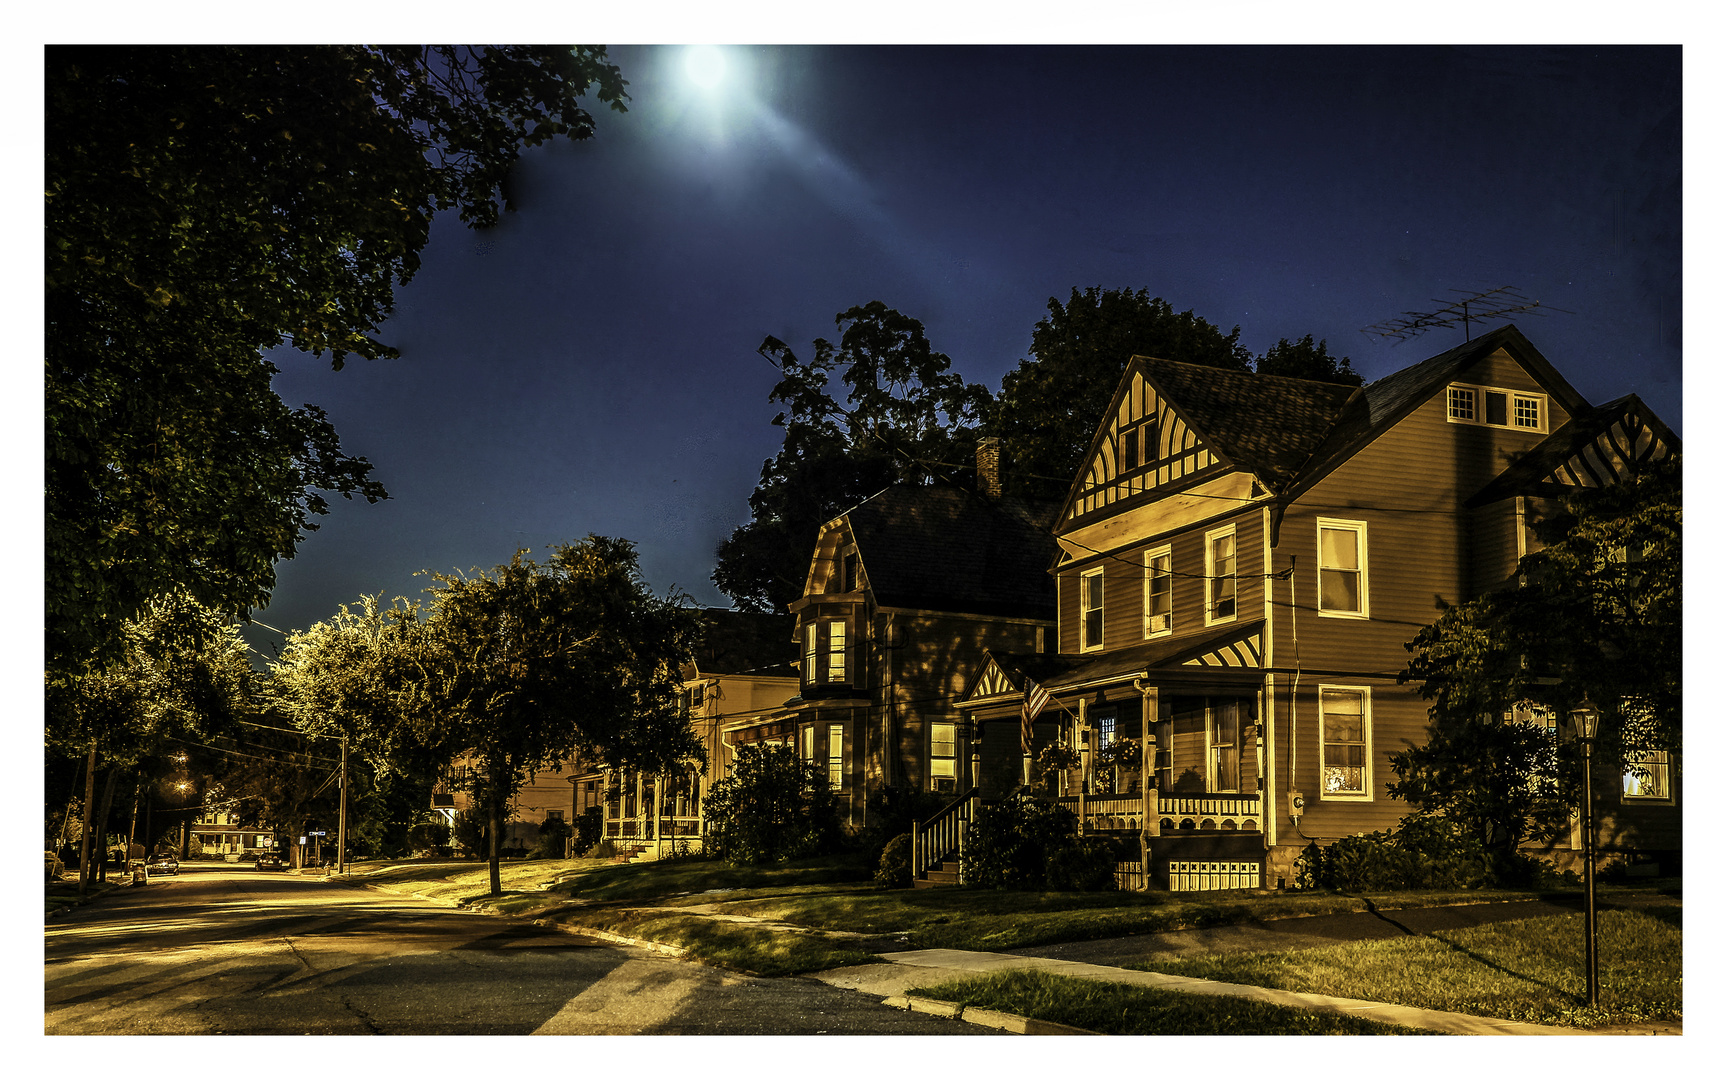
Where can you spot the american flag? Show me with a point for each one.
(1036, 697)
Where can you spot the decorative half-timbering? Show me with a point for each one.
(1236, 654)
(1146, 445)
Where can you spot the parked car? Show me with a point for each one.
(164, 863)
(268, 860)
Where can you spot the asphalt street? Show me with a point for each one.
(224, 949)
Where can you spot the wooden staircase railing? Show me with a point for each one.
(943, 835)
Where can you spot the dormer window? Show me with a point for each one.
(1491, 406)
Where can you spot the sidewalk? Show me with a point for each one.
(908, 969)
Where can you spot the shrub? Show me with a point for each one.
(895, 869)
(890, 813)
(772, 807)
(553, 833)
(590, 826)
(1021, 843)
(1425, 851)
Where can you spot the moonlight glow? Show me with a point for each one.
(705, 65)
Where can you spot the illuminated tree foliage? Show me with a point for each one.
(505, 672)
(204, 204)
(1597, 616)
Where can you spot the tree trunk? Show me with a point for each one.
(496, 827)
(102, 821)
(84, 849)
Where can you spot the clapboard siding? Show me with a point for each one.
(1408, 487)
(1124, 584)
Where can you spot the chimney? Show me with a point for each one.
(989, 466)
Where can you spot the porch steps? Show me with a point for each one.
(948, 874)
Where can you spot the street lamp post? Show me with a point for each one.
(1584, 721)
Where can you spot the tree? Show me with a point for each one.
(771, 807)
(529, 665)
(205, 204)
(1596, 616)
(1305, 360)
(1050, 404)
(906, 417)
(180, 676)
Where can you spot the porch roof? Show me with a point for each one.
(1235, 646)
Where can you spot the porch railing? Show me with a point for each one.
(1108, 813)
(943, 835)
(1207, 812)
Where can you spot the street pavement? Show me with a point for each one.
(232, 950)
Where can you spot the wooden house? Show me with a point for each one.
(1241, 561)
(905, 593)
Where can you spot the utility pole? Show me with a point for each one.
(342, 814)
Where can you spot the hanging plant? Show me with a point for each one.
(1054, 759)
(1122, 754)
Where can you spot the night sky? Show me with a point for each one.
(590, 366)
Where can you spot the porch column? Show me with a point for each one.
(1081, 734)
(1147, 800)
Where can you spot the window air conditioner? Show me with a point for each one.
(1156, 624)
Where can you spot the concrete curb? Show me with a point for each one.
(974, 1014)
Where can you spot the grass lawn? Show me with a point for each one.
(667, 902)
(1119, 1009)
(1530, 970)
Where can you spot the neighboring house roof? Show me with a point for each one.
(944, 549)
(1266, 424)
(1595, 448)
(733, 642)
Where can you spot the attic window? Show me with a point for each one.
(1138, 445)
(849, 572)
(1491, 406)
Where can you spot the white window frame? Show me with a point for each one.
(824, 664)
(951, 760)
(1168, 580)
(1360, 530)
(1212, 746)
(1366, 792)
(1084, 613)
(1478, 407)
(1212, 576)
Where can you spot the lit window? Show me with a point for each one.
(1091, 610)
(943, 761)
(825, 651)
(836, 756)
(1345, 726)
(1220, 575)
(1159, 593)
(1648, 776)
(1342, 567)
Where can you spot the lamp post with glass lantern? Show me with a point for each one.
(1584, 721)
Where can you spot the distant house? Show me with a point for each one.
(1241, 561)
(905, 593)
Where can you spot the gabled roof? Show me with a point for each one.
(1266, 424)
(1596, 447)
(733, 642)
(1381, 404)
(943, 549)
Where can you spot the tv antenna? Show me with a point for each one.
(1497, 303)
